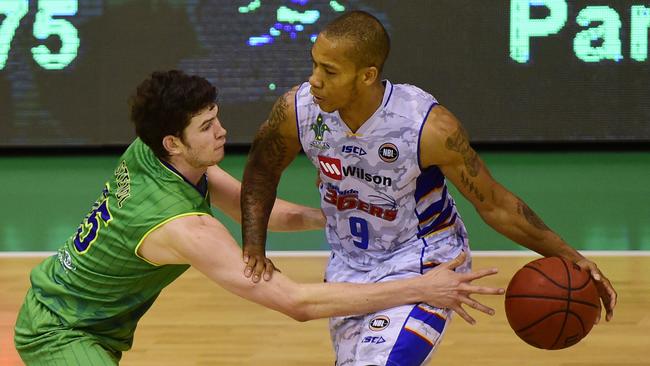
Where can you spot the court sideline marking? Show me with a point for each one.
(326, 253)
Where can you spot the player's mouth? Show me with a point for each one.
(317, 99)
(221, 145)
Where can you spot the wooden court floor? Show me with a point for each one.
(196, 323)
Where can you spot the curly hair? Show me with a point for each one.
(164, 104)
(367, 34)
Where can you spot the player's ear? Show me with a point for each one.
(171, 144)
(370, 75)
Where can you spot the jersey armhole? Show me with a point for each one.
(435, 103)
(137, 247)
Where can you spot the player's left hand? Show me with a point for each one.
(257, 265)
(605, 289)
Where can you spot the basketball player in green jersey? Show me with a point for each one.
(152, 221)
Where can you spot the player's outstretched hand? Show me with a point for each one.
(257, 264)
(605, 289)
(449, 289)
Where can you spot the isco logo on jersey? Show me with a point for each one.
(333, 168)
(351, 149)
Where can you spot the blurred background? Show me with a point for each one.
(554, 95)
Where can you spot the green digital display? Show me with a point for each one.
(531, 71)
(13, 11)
(47, 23)
(602, 25)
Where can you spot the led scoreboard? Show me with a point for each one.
(511, 70)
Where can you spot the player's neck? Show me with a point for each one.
(363, 107)
(190, 173)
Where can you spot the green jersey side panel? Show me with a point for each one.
(97, 281)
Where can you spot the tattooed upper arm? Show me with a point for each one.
(276, 142)
(445, 144)
(459, 142)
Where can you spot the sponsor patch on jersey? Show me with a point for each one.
(333, 168)
(373, 340)
(388, 152)
(339, 191)
(65, 259)
(351, 149)
(379, 322)
(319, 128)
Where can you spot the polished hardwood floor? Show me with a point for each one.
(194, 322)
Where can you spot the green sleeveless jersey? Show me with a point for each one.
(97, 282)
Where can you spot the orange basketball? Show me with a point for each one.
(551, 303)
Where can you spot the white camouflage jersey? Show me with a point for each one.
(378, 201)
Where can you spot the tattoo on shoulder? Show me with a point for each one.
(279, 112)
(531, 216)
(459, 142)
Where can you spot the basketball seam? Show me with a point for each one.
(585, 284)
(557, 284)
(546, 276)
(539, 320)
(548, 315)
(568, 302)
(552, 298)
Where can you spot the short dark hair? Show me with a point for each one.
(164, 104)
(370, 39)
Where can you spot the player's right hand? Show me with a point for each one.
(257, 264)
(449, 289)
(605, 289)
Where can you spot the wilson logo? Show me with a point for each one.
(333, 168)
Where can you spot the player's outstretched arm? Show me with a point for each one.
(445, 144)
(204, 243)
(276, 144)
(225, 194)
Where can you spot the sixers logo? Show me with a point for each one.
(351, 201)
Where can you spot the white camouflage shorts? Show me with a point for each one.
(402, 336)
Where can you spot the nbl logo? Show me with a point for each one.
(388, 152)
(379, 322)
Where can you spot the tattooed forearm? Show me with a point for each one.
(467, 182)
(531, 216)
(459, 142)
(261, 176)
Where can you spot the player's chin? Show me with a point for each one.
(219, 156)
(327, 108)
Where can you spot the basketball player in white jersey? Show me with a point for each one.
(384, 152)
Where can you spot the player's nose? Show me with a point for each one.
(315, 82)
(220, 131)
